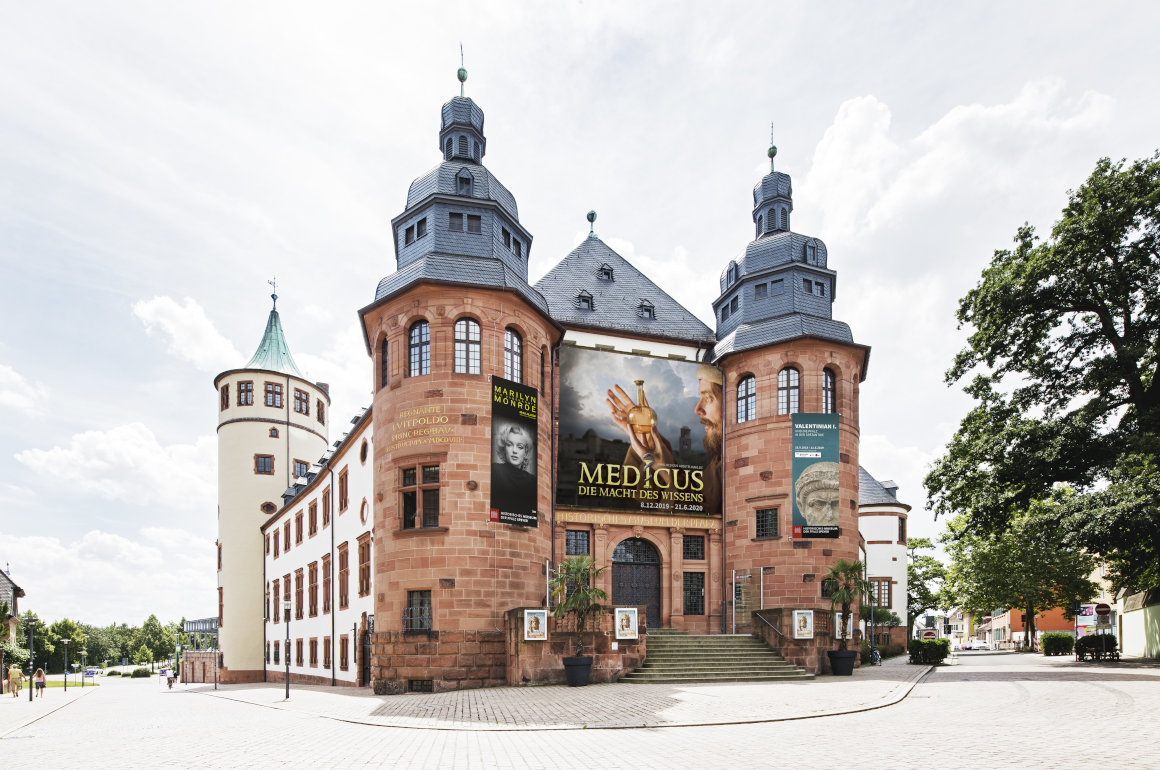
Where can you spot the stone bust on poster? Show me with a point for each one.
(513, 460)
(626, 625)
(535, 625)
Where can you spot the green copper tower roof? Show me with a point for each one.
(273, 353)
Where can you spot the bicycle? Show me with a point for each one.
(875, 657)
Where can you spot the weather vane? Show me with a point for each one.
(274, 296)
(772, 147)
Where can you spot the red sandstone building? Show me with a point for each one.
(715, 514)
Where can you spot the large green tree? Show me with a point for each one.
(924, 579)
(1063, 363)
(1029, 566)
(156, 638)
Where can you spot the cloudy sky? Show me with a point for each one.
(159, 162)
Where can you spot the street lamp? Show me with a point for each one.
(65, 664)
(84, 665)
(286, 612)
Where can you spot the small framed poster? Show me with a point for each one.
(803, 624)
(535, 625)
(626, 623)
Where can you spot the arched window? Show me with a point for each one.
(747, 399)
(759, 221)
(420, 349)
(475, 151)
(829, 391)
(785, 219)
(384, 377)
(467, 346)
(463, 146)
(513, 355)
(447, 152)
(771, 221)
(788, 391)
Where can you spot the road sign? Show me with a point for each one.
(1103, 610)
(930, 633)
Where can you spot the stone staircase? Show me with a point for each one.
(679, 657)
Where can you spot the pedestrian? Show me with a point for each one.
(38, 679)
(14, 680)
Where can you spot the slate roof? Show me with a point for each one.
(460, 269)
(872, 492)
(781, 329)
(775, 249)
(273, 354)
(615, 303)
(442, 179)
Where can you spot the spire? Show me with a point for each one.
(772, 152)
(273, 354)
(592, 223)
(462, 74)
(772, 197)
(461, 128)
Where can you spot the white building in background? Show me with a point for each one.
(318, 557)
(271, 426)
(882, 523)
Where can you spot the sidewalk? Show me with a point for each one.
(556, 707)
(16, 713)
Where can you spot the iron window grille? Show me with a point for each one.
(693, 547)
(417, 613)
(576, 542)
(694, 593)
(766, 522)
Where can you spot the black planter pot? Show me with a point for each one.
(842, 661)
(578, 670)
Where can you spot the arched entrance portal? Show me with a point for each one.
(636, 577)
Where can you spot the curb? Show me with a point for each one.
(906, 687)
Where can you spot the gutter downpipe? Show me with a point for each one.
(333, 564)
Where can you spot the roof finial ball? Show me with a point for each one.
(592, 224)
(462, 73)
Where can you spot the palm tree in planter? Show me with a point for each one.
(847, 586)
(576, 593)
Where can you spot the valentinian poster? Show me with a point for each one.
(638, 434)
(513, 453)
(815, 475)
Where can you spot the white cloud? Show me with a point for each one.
(128, 464)
(863, 178)
(192, 336)
(104, 578)
(18, 394)
(346, 368)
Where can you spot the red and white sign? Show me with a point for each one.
(1103, 610)
(930, 633)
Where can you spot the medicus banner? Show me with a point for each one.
(638, 434)
(815, 475)
(513, 453)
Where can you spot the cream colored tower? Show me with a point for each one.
(272, 425)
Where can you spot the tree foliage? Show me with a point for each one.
(1029, 566)
(1064, 359)
(847, 587)
(924, 581)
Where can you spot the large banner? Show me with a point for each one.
(638, 434)
(815, 475)
(513, 455)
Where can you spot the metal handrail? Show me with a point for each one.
(766, 622)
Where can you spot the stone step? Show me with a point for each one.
(679, 657)
(636, 678)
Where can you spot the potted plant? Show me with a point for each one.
(847, 586)
(576, 593)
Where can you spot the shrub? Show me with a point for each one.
(112, 672)
(139, 673)
(1057, 643)
(1095, 643)
(929, 651)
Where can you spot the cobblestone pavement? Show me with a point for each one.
(1004, 710)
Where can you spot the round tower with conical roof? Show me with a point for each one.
(272, 425)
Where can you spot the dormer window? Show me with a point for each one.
(605, 272)
(731, 274)
(646, 309)
(584, 301)
(464, 184)
(812, 253)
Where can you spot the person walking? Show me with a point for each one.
(14, 680)
(38, 680)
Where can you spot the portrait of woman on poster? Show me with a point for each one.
(513, 469)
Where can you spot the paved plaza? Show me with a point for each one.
(997, 709)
